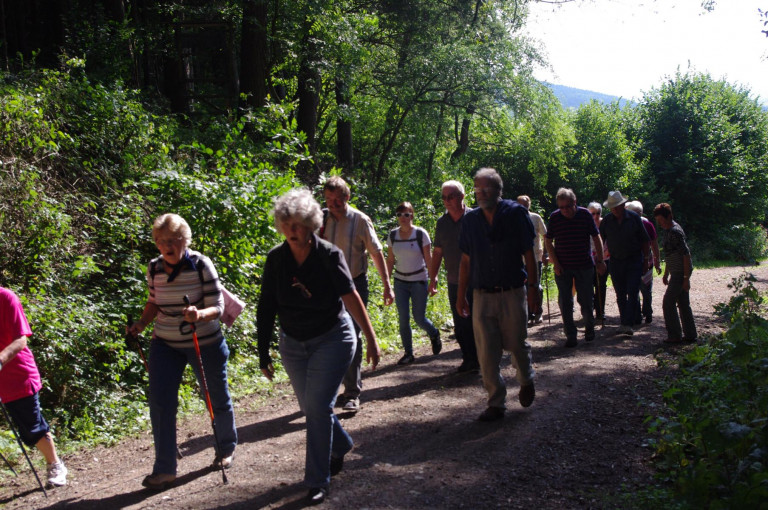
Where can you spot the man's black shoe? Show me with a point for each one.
(527, 394)
(437, 344)
(491, 414)
(466, 368)
(316, 495)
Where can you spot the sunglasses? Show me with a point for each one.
(405, 214)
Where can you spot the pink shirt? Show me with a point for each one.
(19, 377)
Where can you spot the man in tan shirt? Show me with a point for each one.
(353, 233)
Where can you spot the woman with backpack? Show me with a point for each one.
(178, 273)
(410, 255)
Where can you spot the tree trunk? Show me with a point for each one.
(463, 138)
(345, 153)
(253, 51)
(308, 89)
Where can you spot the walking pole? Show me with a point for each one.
(546, 283)
(205, 388)
(9, 465)
(128, 340)
(21, 445)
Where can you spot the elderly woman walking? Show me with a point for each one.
(408, 258)
(176, 273)
(307, 285)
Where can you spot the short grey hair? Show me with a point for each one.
(566, 193)
(173, 224)
(492, 175)
(635, 206)
(595, 206)
(454, 184)
(298, 204)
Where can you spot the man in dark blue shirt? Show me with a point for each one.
(495, 239)
(629, 245)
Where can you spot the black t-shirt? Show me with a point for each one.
(306, 298)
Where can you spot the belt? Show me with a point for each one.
(411, 273)
(494, 290)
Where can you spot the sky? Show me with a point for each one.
(625, 47)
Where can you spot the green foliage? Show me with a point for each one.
(706, 146)
(712, 444)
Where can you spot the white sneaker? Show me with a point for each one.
(57, 474)
(226, 462)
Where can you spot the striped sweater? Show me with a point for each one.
(169, 299)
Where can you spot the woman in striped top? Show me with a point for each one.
(176, 273)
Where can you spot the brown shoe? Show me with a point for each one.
(159, 481)
(491, 414)
(527, 394)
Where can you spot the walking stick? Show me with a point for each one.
(9, 465)
(128, 340)
(205, 388)
(21, 445)
(546, 284)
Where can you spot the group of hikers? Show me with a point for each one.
(315, 284)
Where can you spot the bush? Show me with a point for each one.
(712, 446)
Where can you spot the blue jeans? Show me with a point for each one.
(316, 368)
(646, 310)
(625, 275)
(353, 379)
(166, 366)
(584, 280)
(462, 326)
(416, 294)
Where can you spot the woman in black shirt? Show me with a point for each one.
(306, 283)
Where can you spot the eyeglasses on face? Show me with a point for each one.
(404, 214)
(167, 240)
(451, 196)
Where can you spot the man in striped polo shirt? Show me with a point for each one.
(567, 241)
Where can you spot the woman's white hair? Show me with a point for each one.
(635, 206)
(595, 206)
(298, 205)
(173, 224)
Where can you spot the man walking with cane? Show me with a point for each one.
(20, 383)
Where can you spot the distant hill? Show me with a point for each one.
(573, 98)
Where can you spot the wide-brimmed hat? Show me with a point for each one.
(614, 200)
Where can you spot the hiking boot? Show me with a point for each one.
(491, 414)
(571, 342)
(437, 344)
(406, 360)
(57, 474)
(648, 319)
(352, 405)
(159, 481)
(589, 336)
(626, 330)
(527, 394)
(226, 462)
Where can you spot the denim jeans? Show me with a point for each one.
(625, 275)
(676, 298)
(353, 379)
(647, 309)
(166, 366)
(316, 368)
(416, 294)
(462, 326)
(584, 280)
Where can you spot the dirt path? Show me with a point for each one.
(418, 444)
